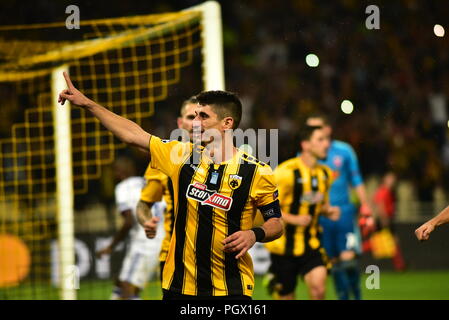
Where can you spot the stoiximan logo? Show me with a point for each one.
(200, 193)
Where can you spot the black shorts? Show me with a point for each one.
(285, 269)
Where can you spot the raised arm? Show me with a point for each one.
(126, 130)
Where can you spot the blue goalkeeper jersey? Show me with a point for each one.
(342, 159)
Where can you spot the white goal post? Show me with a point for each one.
(213, 79)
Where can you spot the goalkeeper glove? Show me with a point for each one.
(366, 220)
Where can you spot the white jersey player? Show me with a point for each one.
(142, 256)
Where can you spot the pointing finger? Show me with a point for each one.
(68, 81)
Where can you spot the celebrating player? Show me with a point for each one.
(303, 194)
(217, 189)
(340, 238)
(159, 185)
(141, 257)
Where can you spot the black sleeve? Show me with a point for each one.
(271, 210)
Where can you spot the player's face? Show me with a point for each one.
(207, 122)
(318, 122)
(319, 144)
(186, 120)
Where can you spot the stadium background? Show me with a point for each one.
(396, 77)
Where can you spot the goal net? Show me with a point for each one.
(136, 66)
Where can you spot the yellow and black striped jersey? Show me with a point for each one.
(212, 201)
(302, 191)
(165, 191)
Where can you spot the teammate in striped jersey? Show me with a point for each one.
(341, 238)
(304, 195)
(160, 186)
(217, 189)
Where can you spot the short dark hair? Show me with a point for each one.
(321, 116)
(224, 103)
(306, 132)
(191, 100)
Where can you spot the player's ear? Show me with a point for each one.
(179, 122)
(228, 122)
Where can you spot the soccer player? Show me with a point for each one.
(424, 231)
(304, 195)
(160, 186)
(341, 238)
(217, 189)
(141, 257)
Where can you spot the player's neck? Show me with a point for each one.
(220, 151)
(308, 159)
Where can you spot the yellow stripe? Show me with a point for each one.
(189, 285)
(246, 263)
(219, 234)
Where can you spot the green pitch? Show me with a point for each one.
(411, 285)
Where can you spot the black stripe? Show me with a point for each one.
(239, 199)
(171, 213)
(185, 177)
(294, 209)
(204, 237)
(312, 212)
(326, 174)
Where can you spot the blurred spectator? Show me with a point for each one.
(385, 205)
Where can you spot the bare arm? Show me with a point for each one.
(121, 233)
(360, 190)
(331, 212)
(273, 229)
(424, 231)
(127, 131)
(146, 219)
(297, 220)
(143, 211)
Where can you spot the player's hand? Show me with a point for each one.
(367, 225)
(303, 220)
(333, 213)
(365, 210)
(72, 94)
(423, 232)
(240, 241)
(150, 227)
(105, 251)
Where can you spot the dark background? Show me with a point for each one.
(393, 76)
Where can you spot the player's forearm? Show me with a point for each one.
(273, 229)
(325, 210)
(441, 218)
(126, 130)
(143, 211)
(120, 235)
(290, 218)
(360, 190)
